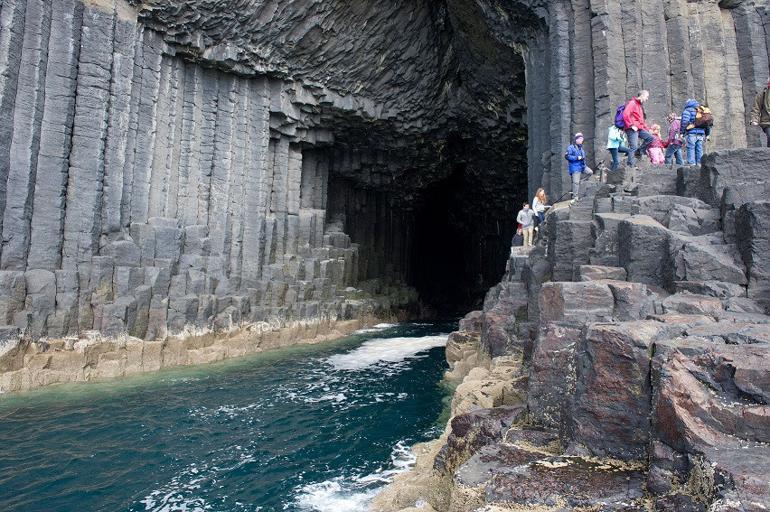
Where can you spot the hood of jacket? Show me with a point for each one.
(692, 104)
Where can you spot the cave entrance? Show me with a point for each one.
(446, 248)
(462, 230)
(432, 201)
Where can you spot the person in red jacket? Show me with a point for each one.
(636, 128)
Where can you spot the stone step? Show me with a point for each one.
(656, 181)
(599, 272)
(514, 475)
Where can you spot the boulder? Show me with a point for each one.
(692, 220)
(710, 403)
(711, 288)
(472, 322)
(738, 169)
(491, 461)
(612, 395)
(683, 214)
(688, 182)
(576, 302)
(732, 200)
(633, 301)
(704, 258)
(471, 431)
(569, 246)
(643, 249)
(733, 333)
(605, 235)
(599, 272)
(501, 327)
(552, 373)
(753, 241)
(568, 483)
(690, 304)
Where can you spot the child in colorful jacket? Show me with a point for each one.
(673, 143)
(655, 149)
(616, 143)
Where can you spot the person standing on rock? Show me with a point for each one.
(526, 217)
(616, 144)
(695, 129)
(673, 143)
(655, 149)
(539, 205)
(578, 170)
(635, 126)
(760, 113)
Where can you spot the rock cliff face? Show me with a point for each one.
(621, 364)
(169, 167)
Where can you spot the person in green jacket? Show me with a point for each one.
(760, 114)
(616, 143)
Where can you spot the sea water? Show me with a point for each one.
(313, 428)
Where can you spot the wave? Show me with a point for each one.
(375, 328)
(385, 350)
(352, 493)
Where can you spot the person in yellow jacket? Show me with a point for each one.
(760, 114)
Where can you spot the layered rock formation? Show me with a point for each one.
(175, 167)
(621, 364)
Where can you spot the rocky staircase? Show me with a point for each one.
(640, 322)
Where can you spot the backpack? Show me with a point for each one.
(703, 117)
(619, 121)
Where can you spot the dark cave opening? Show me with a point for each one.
(431, 201)
(443, 269)
(444, 230)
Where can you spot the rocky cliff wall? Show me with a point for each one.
(168, 166)
(623, 362)
(583, 58)
(147, 195)
(591, 56)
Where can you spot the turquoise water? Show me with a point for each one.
(317, 428)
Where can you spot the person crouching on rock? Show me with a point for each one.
(539, 205)
(673, 144)
(578, 170)
(526, 217)
(655, 149)
(760, 113)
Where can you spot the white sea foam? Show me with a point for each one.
(354, 493)
(388, 350)
(375, 328)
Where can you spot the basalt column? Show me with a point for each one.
(170, 167)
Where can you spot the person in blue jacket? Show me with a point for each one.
(576, 158)
(694, 136)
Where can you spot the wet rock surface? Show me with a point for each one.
(569, 483)
(649, 393)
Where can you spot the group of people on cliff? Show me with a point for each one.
(529, 218)
(686, 135)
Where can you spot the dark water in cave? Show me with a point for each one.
(313, 428)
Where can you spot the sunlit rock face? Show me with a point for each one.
(168, 165)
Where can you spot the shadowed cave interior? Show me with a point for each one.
(448, 236)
